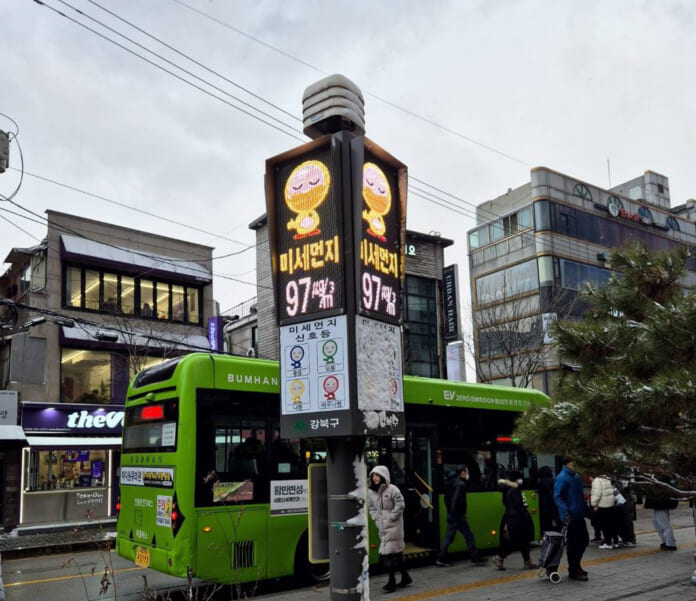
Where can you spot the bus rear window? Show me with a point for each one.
(151, 427)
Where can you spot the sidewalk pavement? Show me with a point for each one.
(641, 573)
(56, 537)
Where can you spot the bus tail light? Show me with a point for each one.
(177, 517)
(118, 504)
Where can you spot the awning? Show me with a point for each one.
(11, 433)
(73, 442)
(136, 338)
(85, 249)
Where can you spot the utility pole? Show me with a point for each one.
(337, 232)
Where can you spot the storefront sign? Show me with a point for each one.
(8, 407)
(216, 334)
(72, 418)
(449, 299)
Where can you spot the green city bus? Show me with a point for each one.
(209, 489)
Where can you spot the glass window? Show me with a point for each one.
(85, 376)
(177, 303)
(497, 231)
(110, 293)
(192, 305)
(147, 298)
(420, 328)
(545, 270)
(582, 191)
(574, 276)
(127, 295)
(542, 215)
(162, 302)
(73, 287)
(524, 218)
(474, 240)
(151, 427)
(91, 290)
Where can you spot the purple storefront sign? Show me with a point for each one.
(216, 334)
(72, 418)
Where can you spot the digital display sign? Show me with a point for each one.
(382, 235)
(306, 233)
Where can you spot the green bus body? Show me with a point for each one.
(160, 524)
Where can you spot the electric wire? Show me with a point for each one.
(373, 95)
(196, 62)
(175, 75)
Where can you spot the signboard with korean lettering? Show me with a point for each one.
(382, 234)
(314, 381)
(304, 203)
(289, 497)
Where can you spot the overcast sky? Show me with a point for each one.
(557, 83)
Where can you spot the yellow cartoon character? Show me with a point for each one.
(305, 190)
(377, 196)
(297, 389)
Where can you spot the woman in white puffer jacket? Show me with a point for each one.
(603, 502)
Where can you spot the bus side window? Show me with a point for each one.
(285, 456)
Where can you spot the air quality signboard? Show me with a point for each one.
(306, 231)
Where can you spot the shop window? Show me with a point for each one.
(162, 301)
(193, 305)
(177, 303)
(110, 293)
(58, 469)
(147, 298)
(127, 295)
(73, 287)
(85, 376)
(91, 290)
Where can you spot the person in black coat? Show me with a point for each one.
(548, 511)
(516, 527)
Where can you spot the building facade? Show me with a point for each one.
(425, 338)
(536, 247)
(93, 303)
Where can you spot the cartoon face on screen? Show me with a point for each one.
(297, 389)
(330, 386)
(306, 188)
(377, 196)
(296, 356)
(329, 350)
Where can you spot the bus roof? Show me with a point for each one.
(448, 393)
(244, 373)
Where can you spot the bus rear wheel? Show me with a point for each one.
(306, 572)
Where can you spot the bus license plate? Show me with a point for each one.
(142, 557)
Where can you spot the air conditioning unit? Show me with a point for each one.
(251, 352)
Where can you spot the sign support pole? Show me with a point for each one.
(347, 518)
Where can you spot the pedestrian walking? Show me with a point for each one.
(386, 505)
(548, 512)
(661, 505)
(570, 499)
(516, 527)
(455, 501)
(625, 508)
(603, 501)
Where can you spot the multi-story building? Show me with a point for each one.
(426, 331)
(94, 303)
(535, 247)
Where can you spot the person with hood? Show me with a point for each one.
(570, 499)
(603, 501)
(456, 520)
(548, 512)
(516, 527)
(386, 504)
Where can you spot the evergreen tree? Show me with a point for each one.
(626, 398)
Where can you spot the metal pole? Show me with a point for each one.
(347, 516)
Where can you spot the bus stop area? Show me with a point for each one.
(640, 573)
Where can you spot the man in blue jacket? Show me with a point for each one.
(570, 499)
